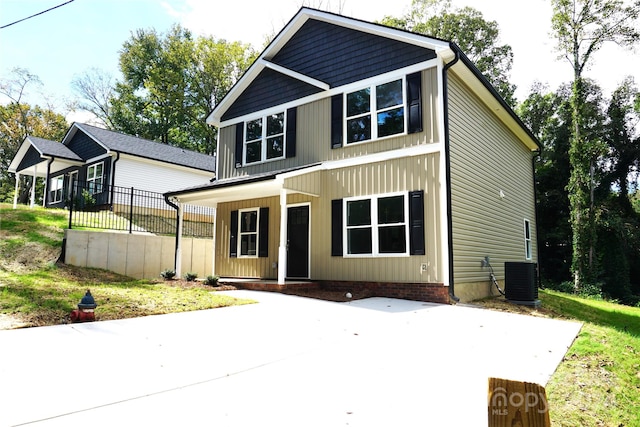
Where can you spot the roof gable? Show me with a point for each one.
(339, 55)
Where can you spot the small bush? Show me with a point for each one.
(211, 281)
(168, 274)
(190, 277)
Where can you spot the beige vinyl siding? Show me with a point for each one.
(247, 267)
(408, 174)
(486, 158)
(313, 135)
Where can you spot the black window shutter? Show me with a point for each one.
(414, 102)
(336, 121)
(263, 230)
(291, 132)
(416, 223)
(239, 143)
(233, 239)
(336, 227)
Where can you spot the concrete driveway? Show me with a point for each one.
(287, 361)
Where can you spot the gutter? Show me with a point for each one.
(445, 102)
(45, 196)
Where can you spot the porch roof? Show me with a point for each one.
(243, 187)
(34, 154)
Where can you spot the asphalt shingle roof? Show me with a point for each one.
(127, 144)
(52, 148)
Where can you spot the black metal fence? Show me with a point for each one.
(111, 207)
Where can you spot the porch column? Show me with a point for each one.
(213, 254)
(282, 249)
(33, 187)
(179, 242)
(15, 193)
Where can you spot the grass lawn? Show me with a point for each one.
(598, 382)
(35, 291)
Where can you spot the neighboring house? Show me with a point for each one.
(101, 159)
(362, 156)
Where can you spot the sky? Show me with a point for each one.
(68, 41)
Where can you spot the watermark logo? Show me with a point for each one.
(502, 402)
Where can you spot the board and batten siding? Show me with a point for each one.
(149, 175)
(492, 192)
(398, 175)
(313, 136)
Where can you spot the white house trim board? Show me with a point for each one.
(395, 74)
(295, 75)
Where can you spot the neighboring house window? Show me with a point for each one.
(528, 249)
(376, 225)
(264, 138)
(94, 178)
(375, 112)
(55, 191)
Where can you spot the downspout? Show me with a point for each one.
(45, 196)
(445, 101)
(113, 178)
(178, 236)
(535, 211)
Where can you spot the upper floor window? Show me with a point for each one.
(94, 178)
(55, 191)
(375, 112)
(264, 138)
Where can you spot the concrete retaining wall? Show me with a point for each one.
(139, 256)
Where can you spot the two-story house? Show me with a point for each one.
(358, 155)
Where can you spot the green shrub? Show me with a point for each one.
(211, 281)
(168, 274)
(190, 277)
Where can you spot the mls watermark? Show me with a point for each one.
(502, 401)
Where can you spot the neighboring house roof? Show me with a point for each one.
(140, 147)
(302, 61)
(48, 148)
(34, 153)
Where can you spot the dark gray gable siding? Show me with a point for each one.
(339, 56)
(31, 157)
(85, 147)
(270, 88)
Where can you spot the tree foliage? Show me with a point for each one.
(581, 28)
(612, 122)
(478, 38)
(17, 121)
(170, 82)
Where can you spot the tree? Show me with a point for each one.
(95, 89)
(581, 28)
(477, 37)
(171, 82)
(17, 121)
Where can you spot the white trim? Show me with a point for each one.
(294, 74)
(263, 139)
(374, 111)
(257, 232)
(391, 75)
(375, 226)
(50, 188)
(295, 205)
(282, 247)
(528, 242)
